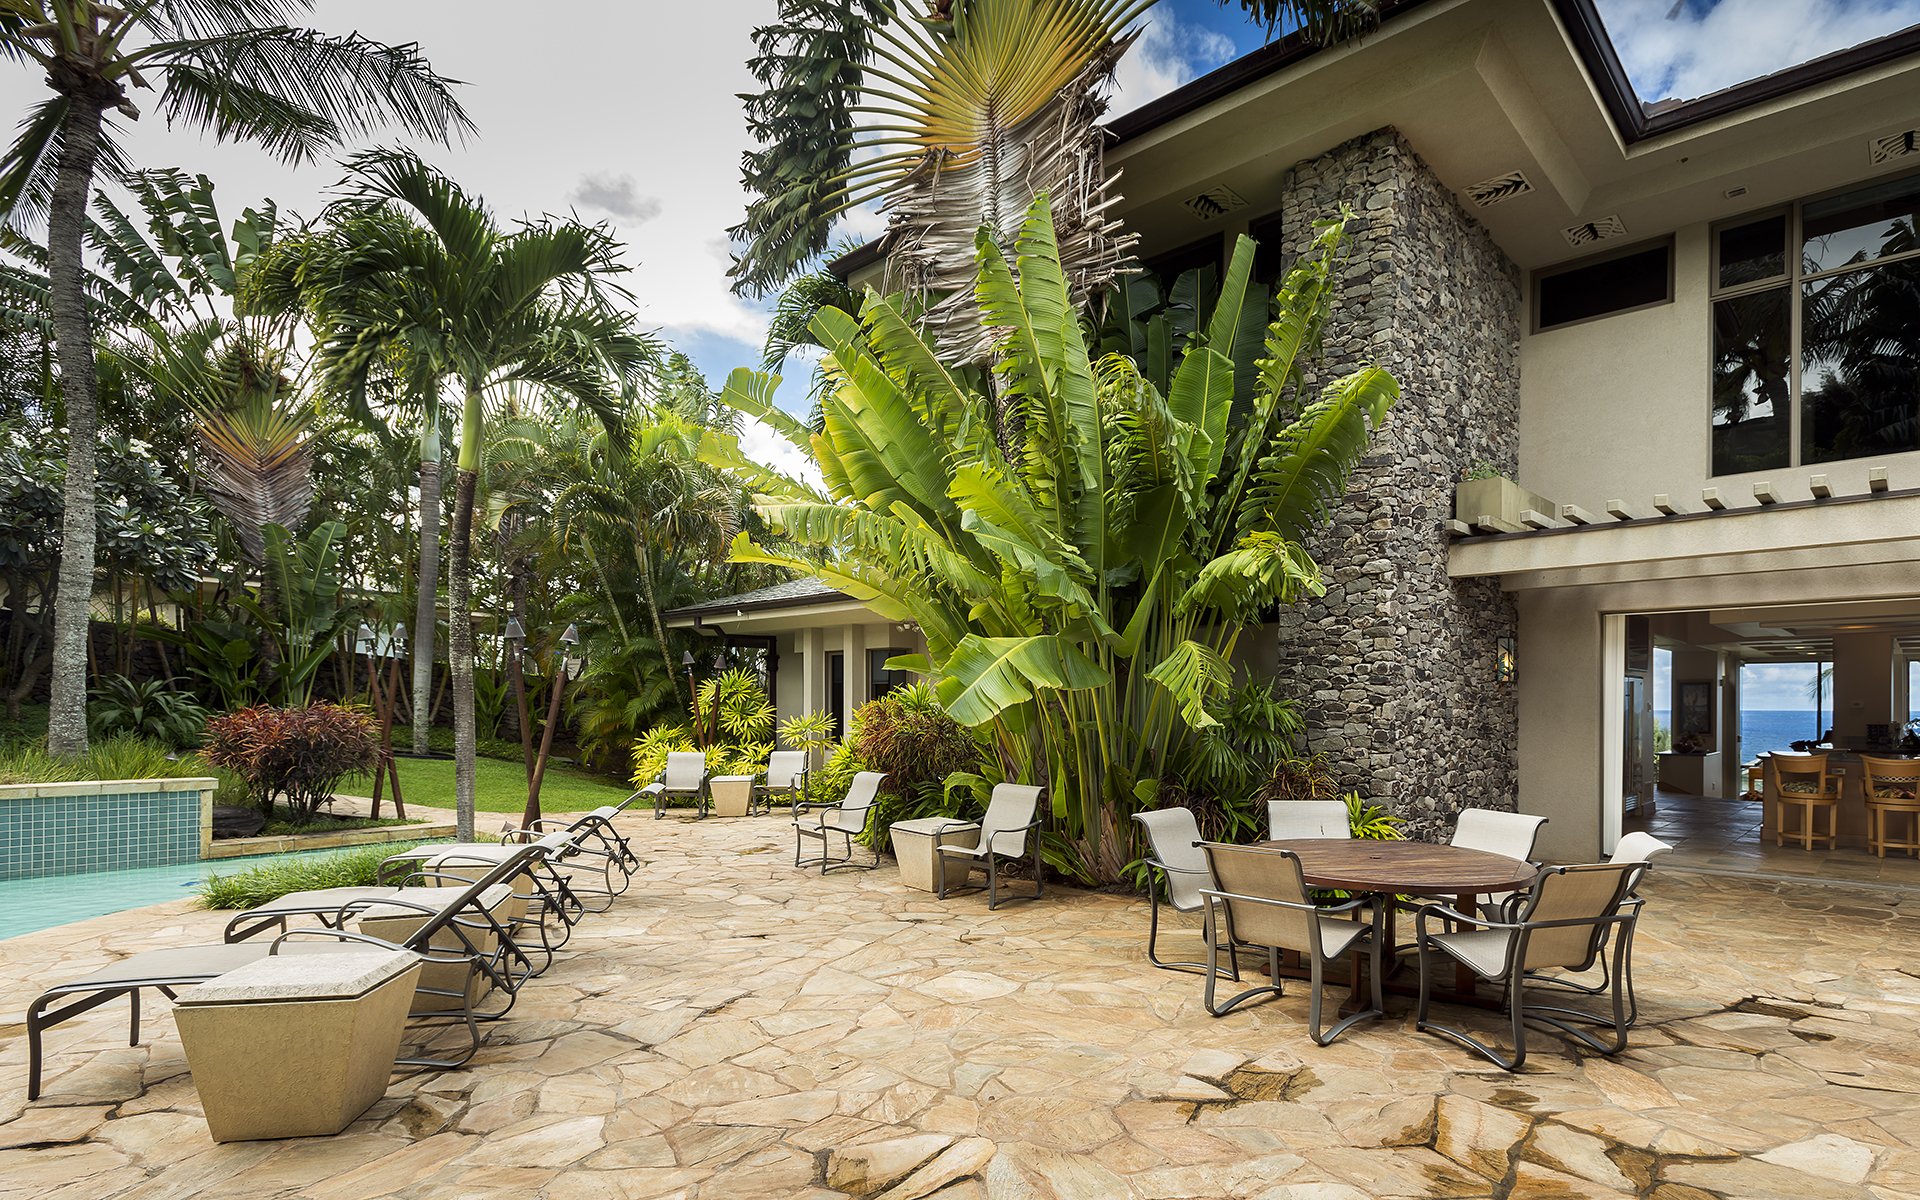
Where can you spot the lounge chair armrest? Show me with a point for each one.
(1160, 866)
(348, 935)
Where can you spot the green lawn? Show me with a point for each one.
(501, 787)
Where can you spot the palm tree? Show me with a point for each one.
(416, 267)
(234, 68)
(952, 121)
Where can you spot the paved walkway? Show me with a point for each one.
(736, 1029)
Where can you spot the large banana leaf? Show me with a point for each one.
(985, 676)
(1296, 484)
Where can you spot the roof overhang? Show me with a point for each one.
(1806, 536)
(771, 617)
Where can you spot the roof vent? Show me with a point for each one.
(1500, 187)
(1215, 202)
(1894, 145)
(1599, 229)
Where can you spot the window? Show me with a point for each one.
(1816, 331)
(1270, 250)
(1619, 282)
(880, 680)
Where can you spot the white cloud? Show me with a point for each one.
(615, 195)
(761, 444)
(1690, 48)
(1168, 54)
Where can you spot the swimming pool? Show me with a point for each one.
(28, 905)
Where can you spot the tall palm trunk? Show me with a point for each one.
(460, 613)
(73, 340)
(428, 586)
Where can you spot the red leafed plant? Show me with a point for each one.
(294, 755)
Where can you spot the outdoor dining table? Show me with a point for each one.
(1455, 874)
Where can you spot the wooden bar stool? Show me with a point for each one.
(1802, 783)
(1892, 787)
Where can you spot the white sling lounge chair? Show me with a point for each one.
(786, 779)
(1174, 850)
(846, 819)
(1002, 835)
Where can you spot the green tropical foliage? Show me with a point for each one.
(1081, 549)
(155, 709)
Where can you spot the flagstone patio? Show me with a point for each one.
(735, 1028)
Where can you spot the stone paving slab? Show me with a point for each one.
(734, 1028)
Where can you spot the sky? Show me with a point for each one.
(1686, 48)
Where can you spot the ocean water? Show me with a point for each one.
(1766, 729)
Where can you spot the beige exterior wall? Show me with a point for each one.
(1619, 407)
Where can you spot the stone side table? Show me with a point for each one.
(732, 795)
(296, 1045)
(920, 867)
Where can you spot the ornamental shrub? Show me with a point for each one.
(293, 755)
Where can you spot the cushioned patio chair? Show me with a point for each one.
(1564, 925)
(1290, 819)
(847, 819)
(1174, 853)
(1805, 785)
(1633, 848)
(786, 779)
(1261, 902)
(683, 778)
(461, 931)
(1002, 835)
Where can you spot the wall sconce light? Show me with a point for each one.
(1503, 666)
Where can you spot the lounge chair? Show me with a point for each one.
(1002, 835)
(847, 818)
(460, 933)
(1569, 913)
(1291, 819)
(684, 778)
(786, 779)
(1262, 902)
(1173, 840)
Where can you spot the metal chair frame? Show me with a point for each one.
(700, 794)
(1514, 977)
(826, 862)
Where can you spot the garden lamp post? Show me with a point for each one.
(693, 689)
(564, 663)
(382, 697)
(516, 639)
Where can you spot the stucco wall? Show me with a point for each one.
(1396, 663)
(1619, 407)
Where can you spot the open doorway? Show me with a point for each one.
(1722, 690)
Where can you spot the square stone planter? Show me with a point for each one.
(296, 1045)
(732, 795)
(394, 924)
(1499, 498)
(920, 867)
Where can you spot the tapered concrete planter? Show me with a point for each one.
(920, 867)
(394, 924)
(296, 1045)
(732, 795)
(1497, 497)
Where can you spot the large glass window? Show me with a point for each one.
(1816, 331)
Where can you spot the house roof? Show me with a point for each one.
(794, 593)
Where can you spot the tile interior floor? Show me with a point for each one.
(1714, 834)
(734, 1029)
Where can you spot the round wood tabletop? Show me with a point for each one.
(1412, 868)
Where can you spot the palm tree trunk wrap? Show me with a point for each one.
(73, 339)
(460, 647)
(424, 610)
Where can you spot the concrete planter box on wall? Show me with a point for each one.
(1500, 498)
(103, 825)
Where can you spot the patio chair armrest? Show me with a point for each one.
(545, 825)
(1157, 865)
(1446, 913)
(653, 789)
(1214, 894)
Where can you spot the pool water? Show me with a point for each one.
(28, 905)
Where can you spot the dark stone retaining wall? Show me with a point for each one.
(1395, 665)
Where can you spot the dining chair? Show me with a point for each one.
(1634, 849)
(1892, 788)
(1261, 902)
(1804, 785)
(1174, 853)
(1564, 926)
(1498, 832)
(1291, 819)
